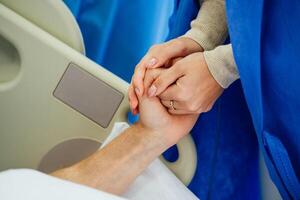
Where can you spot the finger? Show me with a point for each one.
(139, 74)
(137, 79)
(160, 54)
(138, 96)
(165, 79)
(177, 105)
(150, 76)
(179, 112)
(173, 92)
(133, 101)
(157, 56)
(172, 62)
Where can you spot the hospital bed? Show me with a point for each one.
(56, 105)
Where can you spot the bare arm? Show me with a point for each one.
(114, 167)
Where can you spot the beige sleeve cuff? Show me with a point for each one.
(221, 65)
(209, 29)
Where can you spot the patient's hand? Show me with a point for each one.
(116, 165)
(155, 117)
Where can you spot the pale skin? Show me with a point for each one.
(186, 81)
(114, 167)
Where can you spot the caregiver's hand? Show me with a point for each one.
(186, 87)
(160, 55)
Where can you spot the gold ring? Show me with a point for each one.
(172, 104)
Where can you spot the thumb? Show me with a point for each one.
(160, 55)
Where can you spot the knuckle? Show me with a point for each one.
(181, 66)
(137, 68)
(150, 74)
(155, 72)
(178, 68)
(158, 82)
(154, 48)
(179, 85)
(163, 56)
(200, 109)
(186, 95)
(180, 95)
(135, 81)
(193, 107)
(208, 108)
(204, 108)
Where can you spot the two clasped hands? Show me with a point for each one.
(176, 72)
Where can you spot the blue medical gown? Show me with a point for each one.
(265, 37)
(117, 33)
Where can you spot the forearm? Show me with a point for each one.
(114, 167)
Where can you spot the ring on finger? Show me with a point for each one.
(172, 105)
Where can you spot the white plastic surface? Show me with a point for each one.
(53, 16)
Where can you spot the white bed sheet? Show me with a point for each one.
(28, 184)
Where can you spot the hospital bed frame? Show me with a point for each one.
(56, 105)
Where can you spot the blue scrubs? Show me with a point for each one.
(265, 37)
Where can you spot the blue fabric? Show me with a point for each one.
(227, 150)
(265, 40)
(117, 33)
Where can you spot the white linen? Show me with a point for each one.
(28, 184)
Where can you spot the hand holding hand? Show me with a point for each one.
(160, 55)
(186, 87)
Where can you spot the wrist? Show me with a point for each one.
(190, 45)
(152, 138)
(160, 138)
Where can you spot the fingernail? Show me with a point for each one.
(152, 62)
(152, 91)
